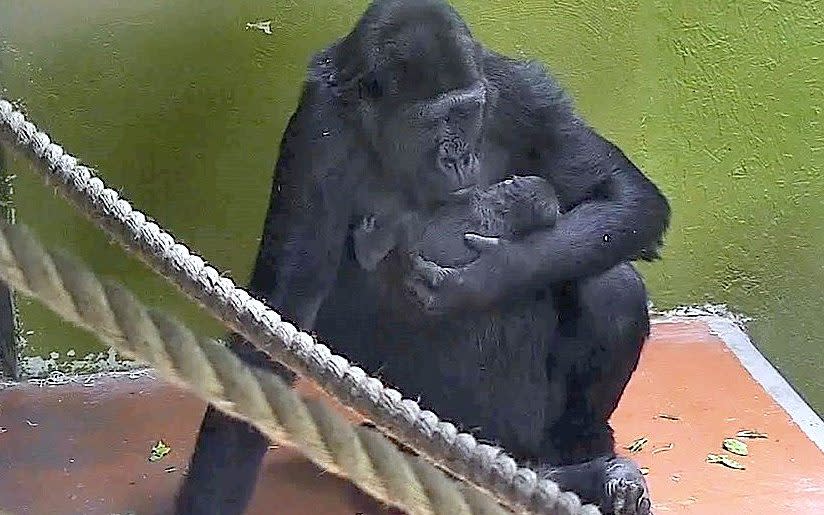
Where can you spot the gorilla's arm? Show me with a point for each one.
(308, 215)
(297, 261)
(612, 211)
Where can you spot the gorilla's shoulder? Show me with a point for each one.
(528, 99)
(528, 81)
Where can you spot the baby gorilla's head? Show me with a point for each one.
(516, 206)
(508, 209)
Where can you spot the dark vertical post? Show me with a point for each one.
(8, 313)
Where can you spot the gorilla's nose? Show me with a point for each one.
(463, 166)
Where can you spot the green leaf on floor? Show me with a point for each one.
(725, 460)
(735, 446)
(159, 450)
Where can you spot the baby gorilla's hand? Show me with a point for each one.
(475, 286)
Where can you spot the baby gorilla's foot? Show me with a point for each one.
(625, 490)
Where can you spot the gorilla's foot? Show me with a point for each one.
(625, 490)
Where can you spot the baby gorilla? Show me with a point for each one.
(510, 208)
(477, 386)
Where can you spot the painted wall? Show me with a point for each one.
(720, 102)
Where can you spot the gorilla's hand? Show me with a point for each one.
(502, 265)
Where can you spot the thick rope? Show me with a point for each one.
(485, 466)
(217, 375)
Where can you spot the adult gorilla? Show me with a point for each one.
(409, 91)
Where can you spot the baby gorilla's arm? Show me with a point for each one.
(373, 241)
(379, 233)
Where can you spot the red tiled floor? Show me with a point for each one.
(689, 372)
(75, 449)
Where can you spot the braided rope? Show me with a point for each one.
(485, 466)
(217, 375)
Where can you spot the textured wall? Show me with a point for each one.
(720, 102)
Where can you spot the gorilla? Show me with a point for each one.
(512, 310)
(473, 354)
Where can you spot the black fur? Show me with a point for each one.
(511, 208)
(409, 91)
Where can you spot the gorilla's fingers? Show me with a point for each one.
(644, 506)
(430, 272)
(368, 223)
(481, 243)
(625, 488)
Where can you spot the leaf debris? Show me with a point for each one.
(725, 460)
(663, 448)
(735, 446)
(748, 433)
(159, 450)
(265, 26)
(637, 444)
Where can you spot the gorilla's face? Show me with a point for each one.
(423, 106)
(446, 134)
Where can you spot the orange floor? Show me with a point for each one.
(83, 449)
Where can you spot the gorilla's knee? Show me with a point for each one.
(616, 304)
(626, 286)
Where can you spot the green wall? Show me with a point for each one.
(181, 106)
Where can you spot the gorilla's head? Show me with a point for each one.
(415, 73)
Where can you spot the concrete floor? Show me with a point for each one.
(82, 449)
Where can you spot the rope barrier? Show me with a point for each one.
(215, 374)
(484, 466)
